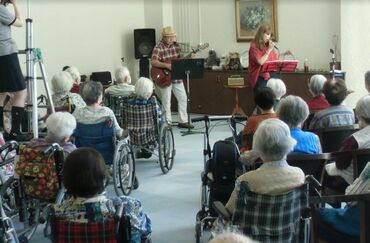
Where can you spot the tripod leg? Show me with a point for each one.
(42, 68)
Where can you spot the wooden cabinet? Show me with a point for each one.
(210, 96)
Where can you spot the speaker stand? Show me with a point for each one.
(144, 67)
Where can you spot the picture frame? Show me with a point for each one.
(249, 14)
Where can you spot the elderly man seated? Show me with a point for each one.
(272, 141)
(123, 83)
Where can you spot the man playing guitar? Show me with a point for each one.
(165, 51)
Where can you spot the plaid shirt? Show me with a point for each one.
(268, 218)
(165, 53)
(141, 120)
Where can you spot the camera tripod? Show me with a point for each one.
(34, 57)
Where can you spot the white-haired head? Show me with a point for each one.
(316, 84)
(231, 237)
(61, 82)
(75, 74)
(60, 126)
(363, 111)
(292, 110)
(272, 140)
(278, 86)
(122, 75)
(144, 88)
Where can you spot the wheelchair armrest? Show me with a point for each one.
(221, 210)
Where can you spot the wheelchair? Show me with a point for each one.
(116, 153)
(115, 103)
(8, 207)
(7, 229)
(149, 131)
(38, 182)
(218, 177)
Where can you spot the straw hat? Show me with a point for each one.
(168, 31)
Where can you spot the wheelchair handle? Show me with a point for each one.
(51, 148)
(11, 145)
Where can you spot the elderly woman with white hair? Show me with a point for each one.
(123, 83)
(294, 111)
(273, 142)
(359, 140)
(60, 127)
(76, 76)
(315, 86)
(94, 112)
(62, 83)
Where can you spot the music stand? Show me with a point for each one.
(187, 69)
(279, 65)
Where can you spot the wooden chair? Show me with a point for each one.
(306, 123)
(331, 138)
(311, 164)
(359, 159)
(364, 207)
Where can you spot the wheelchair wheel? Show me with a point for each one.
(123, 169)
(166, 148)
(8, 197)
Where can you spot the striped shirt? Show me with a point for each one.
(335, 116)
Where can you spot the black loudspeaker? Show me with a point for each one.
(144, 40)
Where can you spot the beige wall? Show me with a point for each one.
(355, 45)
(92, 35)
(305, 27)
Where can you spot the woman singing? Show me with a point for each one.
(261, 50)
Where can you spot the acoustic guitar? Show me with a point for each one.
(162, 76)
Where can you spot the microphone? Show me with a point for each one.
(273, 43)
(333, 54)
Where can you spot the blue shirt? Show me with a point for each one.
(307, 142)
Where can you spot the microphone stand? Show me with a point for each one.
(333, 62)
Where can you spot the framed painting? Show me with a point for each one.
(249, 14)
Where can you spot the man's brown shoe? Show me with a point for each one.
(185, 125)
